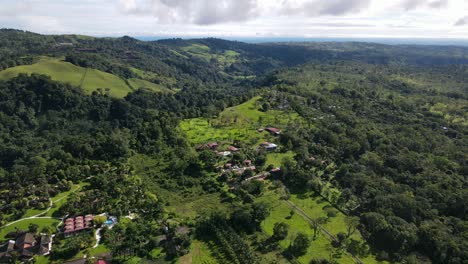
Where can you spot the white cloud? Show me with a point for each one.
(202, 12)
(462, 21)
(413, 4)
(248, 18)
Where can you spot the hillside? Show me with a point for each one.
(232, 152)
(90, 80)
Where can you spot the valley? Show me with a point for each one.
(215, 151)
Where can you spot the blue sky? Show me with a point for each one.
(241, 18)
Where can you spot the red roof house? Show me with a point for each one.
(273, 130)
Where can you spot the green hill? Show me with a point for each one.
(136, 83)
(88, 79)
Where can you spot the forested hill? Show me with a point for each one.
(215, 151)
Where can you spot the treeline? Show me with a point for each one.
(96, 62)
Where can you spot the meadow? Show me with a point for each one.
(203, 52)
(237, 123)
(24, 224)
(314, 207)
(88, 79)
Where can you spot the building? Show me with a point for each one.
(273, 130)
(275, 170)
(26, 246)
(224, 153)
(233, 149)
(77, 225)
(269, 146)
(212, 145)
(45, 245)
(6, 251)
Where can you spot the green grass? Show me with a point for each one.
(88, 79)
(101, 249)
(139, 83)
(23, 225)
(313, 207)
(237, 123)
(32, 212)
(42, 260)
(150, 76)
(190, 204)
(200, 253)
(57, 201)
(321, 247)
(61, 198)
(97, 79)
(203, 52)
(57, 69)
(185, 203)
(277, 158)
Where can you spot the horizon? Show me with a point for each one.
(400, 19)
(462, 42)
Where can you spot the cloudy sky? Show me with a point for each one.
(241, 18)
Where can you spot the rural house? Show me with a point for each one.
(273, 130)
(26, 246)
(269, 146)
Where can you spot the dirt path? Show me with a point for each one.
(262, 175)
(39, 215)
(98, 237)
(323, 229)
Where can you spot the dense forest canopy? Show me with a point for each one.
(377, 131)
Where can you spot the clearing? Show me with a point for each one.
(88, 79)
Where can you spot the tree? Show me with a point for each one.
(208, 158)
(352, 222)
(300, 245)
(316, 225)
(260, 212)
(99, 220)
(280, 231)
(32, 228)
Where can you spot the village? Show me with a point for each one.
(242, 170)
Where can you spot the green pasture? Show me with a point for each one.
(88, 79)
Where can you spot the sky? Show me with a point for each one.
(439, 19)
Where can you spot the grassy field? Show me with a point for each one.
(203, 52)
(138, 83)
(314, 207)
(88, 79)
(23, 225)
(237, 123)
(190, 204)
(148, 76)
(277, 158)
(200, 253)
